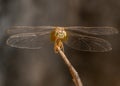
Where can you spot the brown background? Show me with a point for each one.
(22, 67)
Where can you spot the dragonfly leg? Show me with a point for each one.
(55, 48)
(58, 43)
(62, 47)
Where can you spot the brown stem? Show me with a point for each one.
(73, 72)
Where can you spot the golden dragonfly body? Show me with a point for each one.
(58, 35)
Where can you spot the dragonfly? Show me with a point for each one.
(76, 37)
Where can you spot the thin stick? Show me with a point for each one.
(72, 70)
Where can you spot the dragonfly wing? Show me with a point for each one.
(29, 40)
(28, 29)
(87, 43)
(93, 30)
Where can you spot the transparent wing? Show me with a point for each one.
(28, 29)
(93, 30)
(29, 40)
(78, 29)
(87, 43)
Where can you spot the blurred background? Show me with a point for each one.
(22, 67)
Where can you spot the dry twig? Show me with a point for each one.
(73, 72)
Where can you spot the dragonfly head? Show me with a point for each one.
(60, 33)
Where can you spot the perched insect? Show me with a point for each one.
(76, 37)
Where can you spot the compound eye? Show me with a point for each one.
(60, 31)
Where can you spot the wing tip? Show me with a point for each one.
(20, 47)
